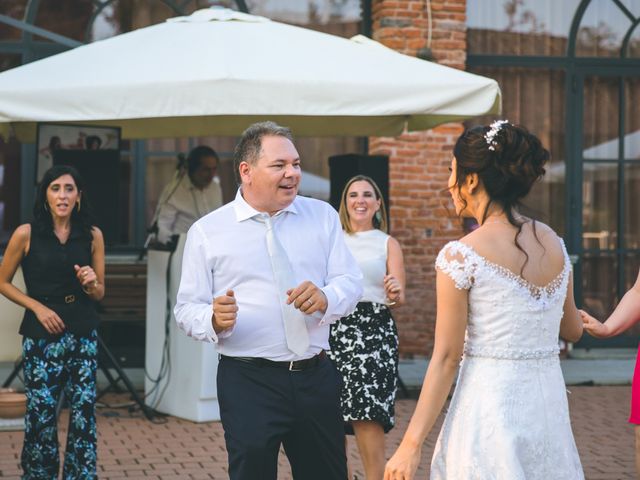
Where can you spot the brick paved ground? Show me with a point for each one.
(134, 448)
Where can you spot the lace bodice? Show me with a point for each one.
(509, 317)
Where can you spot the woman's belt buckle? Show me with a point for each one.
(69, 298)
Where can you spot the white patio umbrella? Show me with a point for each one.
(315, 186)
(218, 70)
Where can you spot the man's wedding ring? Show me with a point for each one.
(309, 302)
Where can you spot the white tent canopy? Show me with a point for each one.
(312, 185)
(217, 70)
(609, 149)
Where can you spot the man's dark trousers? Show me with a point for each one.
(263, 407)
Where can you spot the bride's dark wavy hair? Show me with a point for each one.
(508, 171)
(42, 219)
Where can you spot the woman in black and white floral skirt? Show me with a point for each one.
(364, 345)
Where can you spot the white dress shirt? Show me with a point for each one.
(227, 250)
(185, 205)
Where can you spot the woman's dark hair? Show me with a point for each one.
(508, 160)
(82, 217)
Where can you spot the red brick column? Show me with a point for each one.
(418, 162)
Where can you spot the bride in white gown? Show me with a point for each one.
(504, 294)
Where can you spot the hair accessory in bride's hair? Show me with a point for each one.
(494, 128)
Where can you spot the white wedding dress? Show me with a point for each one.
(508, 418)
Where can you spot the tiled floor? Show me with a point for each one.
(132, 447)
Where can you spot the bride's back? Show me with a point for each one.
(539, 260)
(518, 278)
(515, 304)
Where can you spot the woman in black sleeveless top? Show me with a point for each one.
(62, 257)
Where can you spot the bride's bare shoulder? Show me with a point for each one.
(491, 240)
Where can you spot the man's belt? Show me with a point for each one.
(294, 366)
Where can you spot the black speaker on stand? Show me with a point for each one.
(343, 167)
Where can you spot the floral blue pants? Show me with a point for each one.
(66, 364)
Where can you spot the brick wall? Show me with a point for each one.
(418, 165)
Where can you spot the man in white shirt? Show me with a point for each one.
(192, 194)
(269, 395)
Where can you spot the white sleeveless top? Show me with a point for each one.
(370, 251)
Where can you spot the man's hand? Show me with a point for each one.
(225, 312)
(307, 298)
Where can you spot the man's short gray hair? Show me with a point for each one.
(250, 144)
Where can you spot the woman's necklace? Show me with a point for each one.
(505, 222)
(489, 222)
